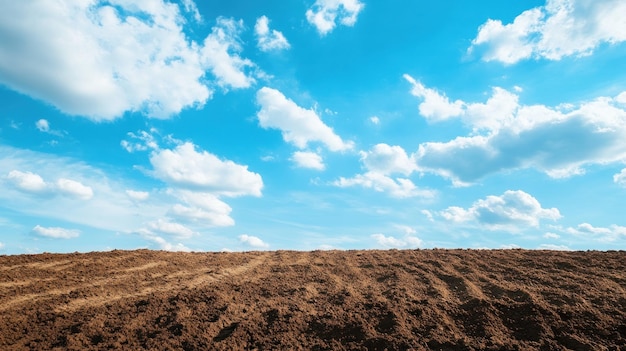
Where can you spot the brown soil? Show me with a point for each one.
(321, 300)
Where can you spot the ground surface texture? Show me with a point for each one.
(320, 300)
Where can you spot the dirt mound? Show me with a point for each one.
(321, 300)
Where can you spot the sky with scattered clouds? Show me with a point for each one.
(312, 124)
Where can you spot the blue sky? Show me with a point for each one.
(312, 124)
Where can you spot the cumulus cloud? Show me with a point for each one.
(75, 189)
(512, 211)
(558, 29)
(507, 135)
(299, 126)
(603, 234)
(138, 195)
(380, 163)
(27, 181)
(324, 14)
(56, 232)
(189, 168)
(253, 241)
(620, 178)
(374, 120)
(220, 54)
(42, 125)
(387, 159)
(435, 106)
(307, 159)
(112, 57)
(33, 183)
(395, 187)
(268, 40)
(162, 243)
(201, 207)
(171, 228)
(392, 242)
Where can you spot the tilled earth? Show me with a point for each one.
(320, 300)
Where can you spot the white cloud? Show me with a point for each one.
(162, 243)
(374, 120)
(513, 210)
(380, 162)
(268, 40)
(558, 29)
(553, 247)
(386, 159)
(428, 215)
(392, 242)
(395, 187)
(324, 14)
(220, 54)
(112, 57)
(436, 106)
(299, 126)
(603, 234)
(138, 195)
(200, 170)
(33, 183)
(558, 141)
(307, 159)
(2, 246)
(551, 235)
(620, 178)
(145, 141)
(75, 189)
(621, 98)
(27, 181)
(191, 7)
(42, 125)
(56, 232)
(499, 110)
(171, 228)
(253, 241)
(201, 207)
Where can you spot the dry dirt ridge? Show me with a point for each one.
(320, 300)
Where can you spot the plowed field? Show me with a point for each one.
(321, 300)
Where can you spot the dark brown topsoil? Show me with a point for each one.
(321, 300)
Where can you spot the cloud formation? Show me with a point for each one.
(380, 163)
(324, 14)
(308, 159)
(200, 207)
(171, 228)
(393, 242)
(113, 57)
(620, 178)
(56, 232)
(558, 29)
(188, 168)
(33, 183)
(269, 40)
(387, 159)
(602, 234)
(507, 136)
(220, 54)
(253, 241)
(513, 210)
(299, 126)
